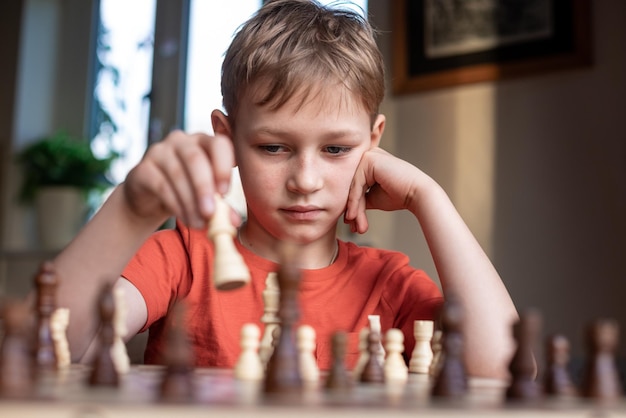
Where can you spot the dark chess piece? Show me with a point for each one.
(339, 380)
(451, 378)
(103, 372)
(283, 372)
(46, 283)
(177, 385)
(523, 386)
(372, 370)
(557, 380)
(601, 379)
(16, 365)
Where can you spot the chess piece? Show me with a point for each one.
(363, 354)
(249, 366)
(451, 380)
(435, 344)
(283, 370)
(46, 283)
(16, 365)
(373, 370)
(523, 386)
(58, 323)
(338, 379)
(119, 352)
(306, 347)
(270, 318)
(557, 381)
(103, 371)
(177, 385)
(229, 269)
(395, 368)
(601, 379)
(374, 322)
(422, 355)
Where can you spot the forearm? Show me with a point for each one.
(466, 271)
(97, 255)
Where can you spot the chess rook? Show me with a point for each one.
(229, 269)
(422, 355)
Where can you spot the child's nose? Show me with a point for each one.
(306, 176)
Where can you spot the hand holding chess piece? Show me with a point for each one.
(229, 269)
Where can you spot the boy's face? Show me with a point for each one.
(297, 162)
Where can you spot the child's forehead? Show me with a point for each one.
(324, 95)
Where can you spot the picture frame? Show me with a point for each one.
(444, 43)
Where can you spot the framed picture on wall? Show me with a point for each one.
(442, 43)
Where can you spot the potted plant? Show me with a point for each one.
(58, 174)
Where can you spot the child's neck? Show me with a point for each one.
(315, 255)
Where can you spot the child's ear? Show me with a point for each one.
(377, 130)
(220, 123)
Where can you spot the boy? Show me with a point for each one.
(302, 85)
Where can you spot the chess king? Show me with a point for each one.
(302, 85)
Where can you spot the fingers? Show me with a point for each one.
(355, 214)
(180, 176)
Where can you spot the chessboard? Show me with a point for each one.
(218, 393)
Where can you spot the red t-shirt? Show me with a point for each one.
(177, 265)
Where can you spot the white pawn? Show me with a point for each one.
(119, 354)
(229, 269)
(249, 366)
(58, 323)
(364, 353)
(309, 371)
(395, 368)
(422, 355)
(374, 321)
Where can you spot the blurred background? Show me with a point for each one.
(536, 163)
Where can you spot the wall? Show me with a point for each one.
(537, 167)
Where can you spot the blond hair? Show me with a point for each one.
(294, 46)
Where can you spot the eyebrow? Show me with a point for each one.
(330, 135)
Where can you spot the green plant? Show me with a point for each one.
(61, 160)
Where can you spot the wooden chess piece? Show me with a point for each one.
(338, 379)
(395, 368)
(46, 283)
(309, 371)
(451, 379)
(363, 353)
(601, 379)
(119, 352)
(271, 295)
(523, 386)
(373, 370)
(557, 381)
(374, 322)
(16, 365)
(249, 366)
(283, 371)
(229, 269)
(58, 323)
(177, 385)
(422, 355)
(103, 372)
(435, 344)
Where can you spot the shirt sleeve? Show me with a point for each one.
(159, 270)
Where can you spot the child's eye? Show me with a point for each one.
(337, 150)
(272, 149)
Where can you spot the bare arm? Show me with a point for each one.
(177, 177)
(464, 269)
